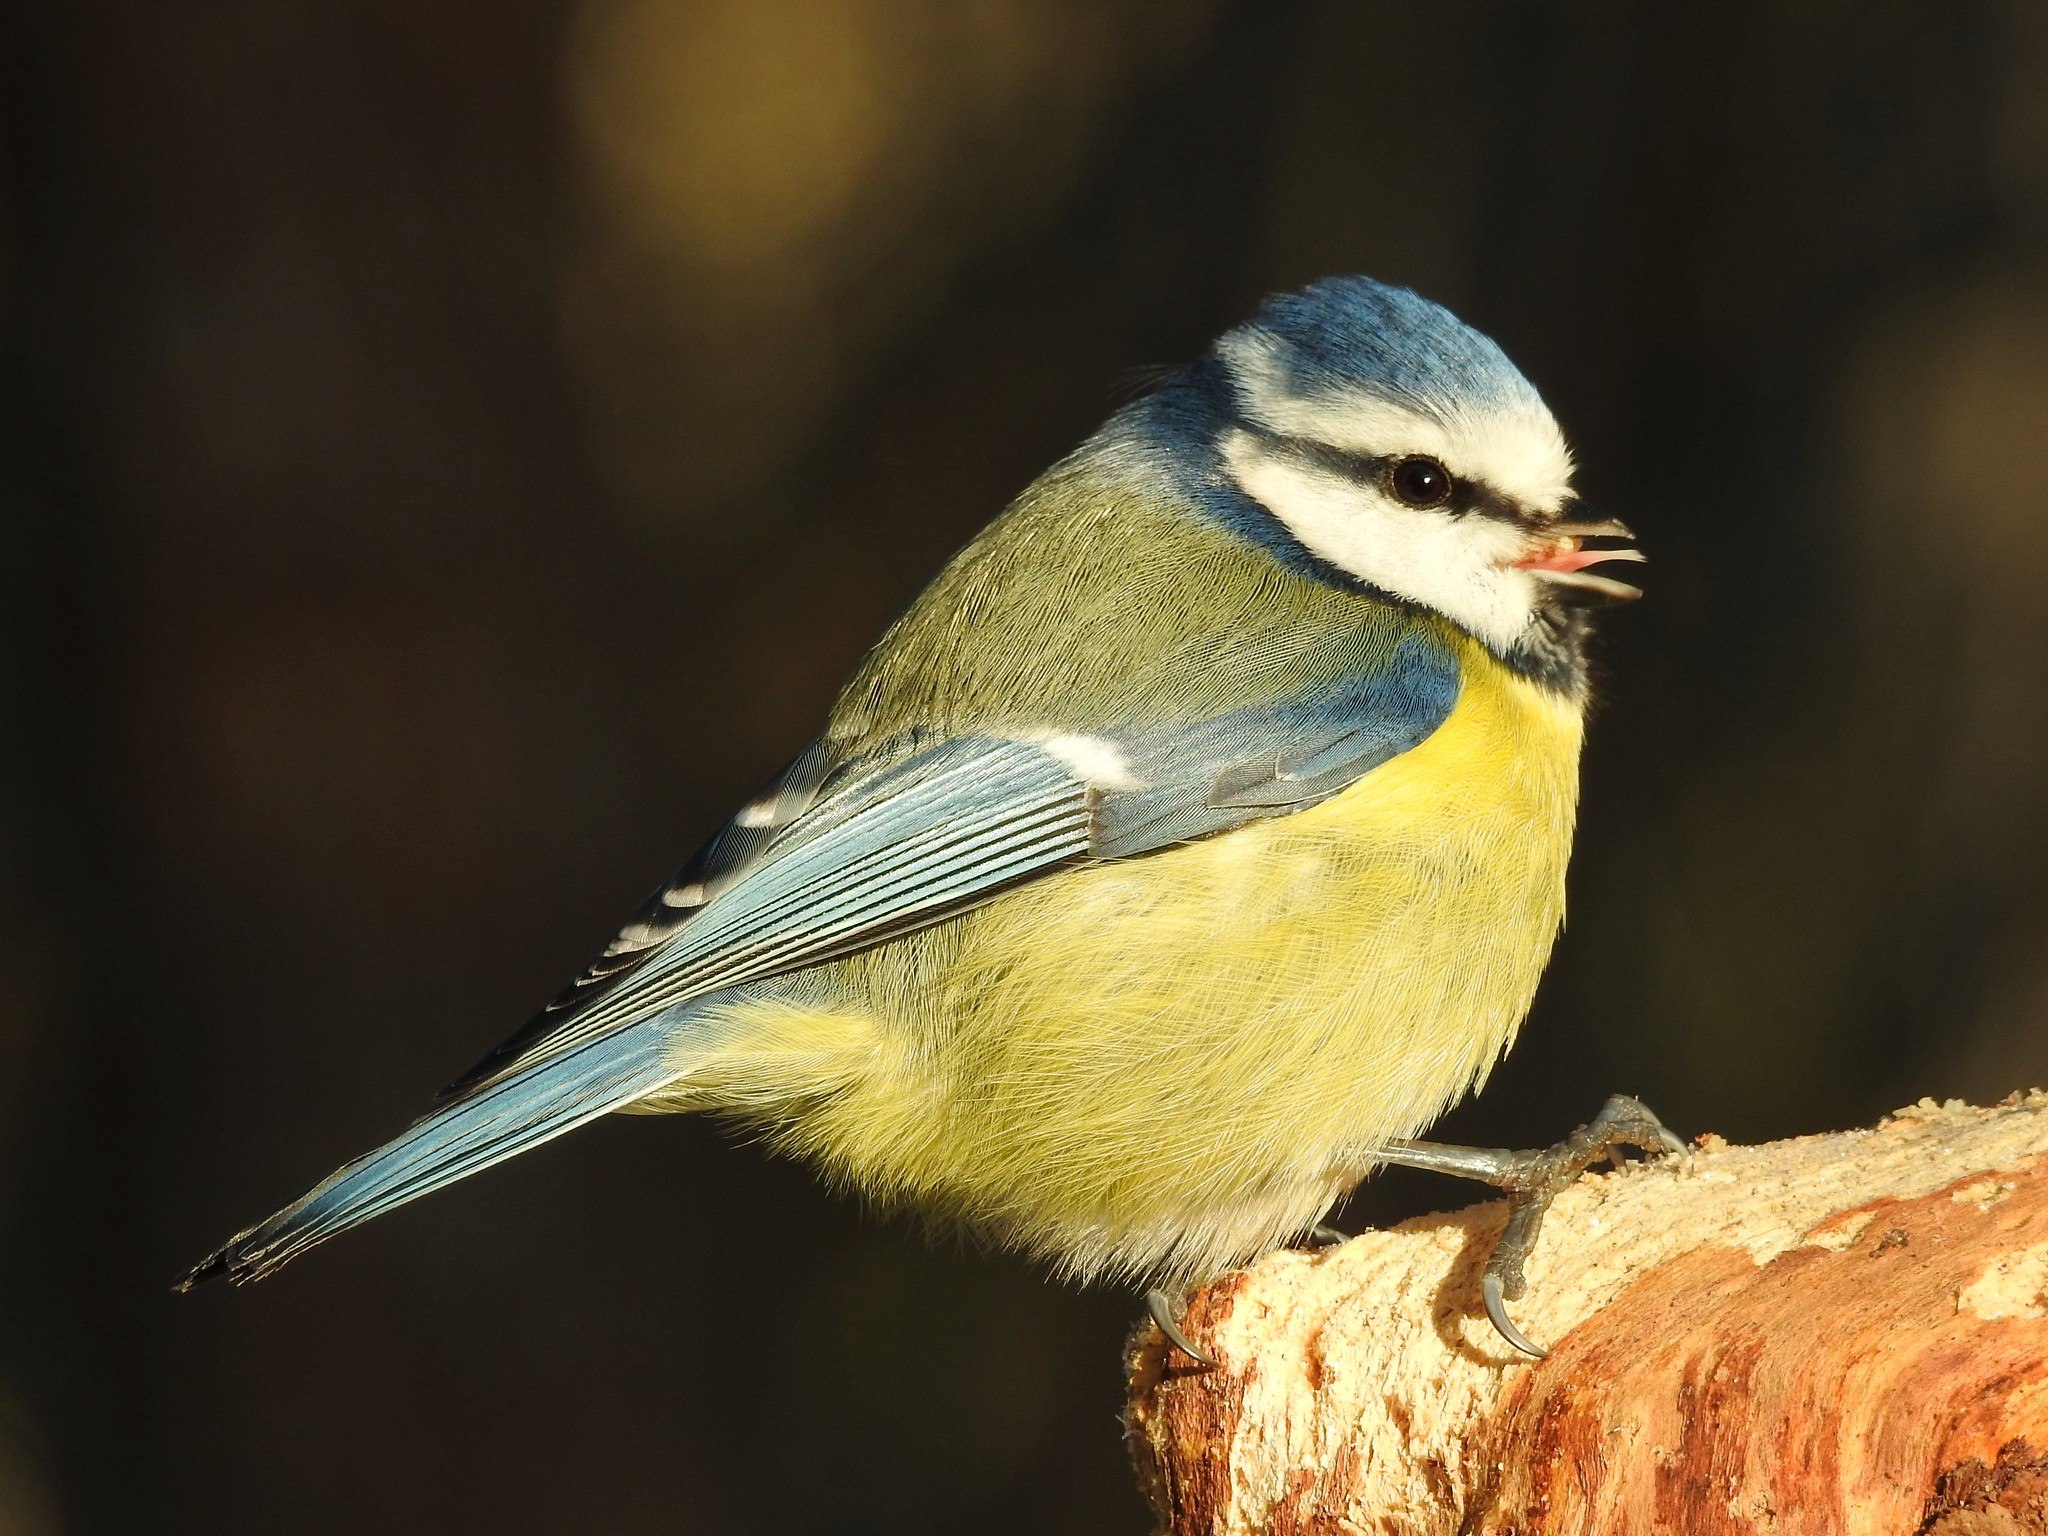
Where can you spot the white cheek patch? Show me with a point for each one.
(1456, 566)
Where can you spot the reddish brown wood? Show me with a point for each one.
(1842, 1335)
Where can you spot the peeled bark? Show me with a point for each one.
(1843, 1333)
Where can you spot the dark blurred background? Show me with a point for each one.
(454, 448)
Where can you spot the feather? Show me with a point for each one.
(1137, 773)
(493, 1124)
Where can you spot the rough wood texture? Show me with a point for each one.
(1845, 1333)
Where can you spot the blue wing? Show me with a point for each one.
(1198, 779)
(881, 852)
(835, 859)
(844, 854)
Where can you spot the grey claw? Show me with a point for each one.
(1497, 1314)
(1532, 1180)
(1328, 1235)
(1162, 1317)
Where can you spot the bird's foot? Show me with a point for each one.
(1532, 1181)
(1161, 1308)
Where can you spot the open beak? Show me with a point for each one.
(1558, 556)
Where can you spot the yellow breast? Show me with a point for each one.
(1171, 1061)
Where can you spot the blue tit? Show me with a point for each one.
(1193, 841)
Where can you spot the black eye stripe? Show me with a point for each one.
(1365, 468)
(1468, 497)
(1378, 470)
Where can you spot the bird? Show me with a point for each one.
(1187, 847)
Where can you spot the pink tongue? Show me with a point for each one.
(1568, 559)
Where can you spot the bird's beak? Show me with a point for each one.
(1556, 555)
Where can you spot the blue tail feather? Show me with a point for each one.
(505, 1119)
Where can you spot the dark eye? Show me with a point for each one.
(1419, 481)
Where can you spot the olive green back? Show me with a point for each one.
(1102, 598)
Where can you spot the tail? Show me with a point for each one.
(501, 1121)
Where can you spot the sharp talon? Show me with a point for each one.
(1162, 1317)
(1532, 1180)
(1327, 1235)
(1497, 1314)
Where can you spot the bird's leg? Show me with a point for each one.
(1532, 1180)
(1161, 1308)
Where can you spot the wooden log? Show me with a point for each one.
(1840, 1334)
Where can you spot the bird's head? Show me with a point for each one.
(1395, 443)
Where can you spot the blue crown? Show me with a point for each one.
(1351, 333)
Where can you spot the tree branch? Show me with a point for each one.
(1843, 1333)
